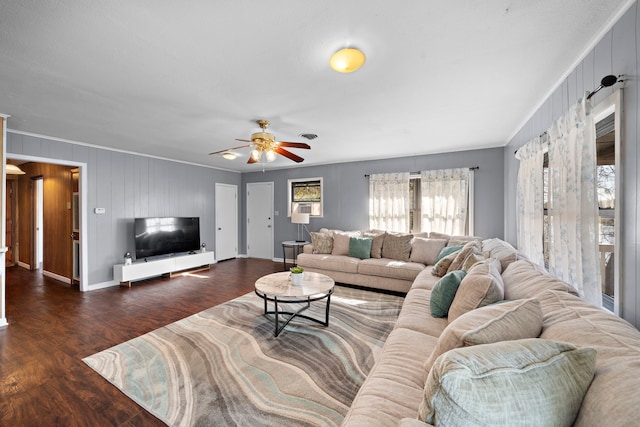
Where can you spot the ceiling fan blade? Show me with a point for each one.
(289, 155)
(243, 140)
(230, 149)
(294, 145)
(251, 160)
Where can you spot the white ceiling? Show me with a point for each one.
(179, 79)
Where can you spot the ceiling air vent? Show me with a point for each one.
(308, 136)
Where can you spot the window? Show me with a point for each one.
(414, 204)
(305, 196)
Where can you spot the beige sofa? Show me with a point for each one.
(395, 273)
(394, 390)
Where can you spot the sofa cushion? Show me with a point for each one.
(525, 279)
(462, 240)
(499, 249)
(341, 242)
(444, 291)
(397, 246)
(390, 268)
(425, 280)
(322, 243)
(376, 242)
(394, 387)
(525, 382)
(512, 320)
(425, 251)
(360, 247)
(341, 263)
(469, 248)
(481, 286)
(610, 398)
(414, 314)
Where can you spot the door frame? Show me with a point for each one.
(218, 243)
(37, 239)
(83, 187)
(272, 237)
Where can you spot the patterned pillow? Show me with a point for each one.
(469, 248)
(442, 266)
(322, 243)
(534, 381)
(425, 251)
(377, 242)
(448, 250)
(397, 246)
(481, 286)
(512, 320)
(471, 260)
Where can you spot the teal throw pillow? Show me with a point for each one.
(360, 247)
(444, 291)
(447, 250)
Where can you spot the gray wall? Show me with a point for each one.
(130, 186)
(346, 191)
(617, 53)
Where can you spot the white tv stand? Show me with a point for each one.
(125, 274)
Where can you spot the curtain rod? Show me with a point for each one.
(606, 81)
(472, 168)
(539, 136)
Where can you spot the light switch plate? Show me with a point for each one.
(100, 210)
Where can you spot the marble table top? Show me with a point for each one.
(280, 285)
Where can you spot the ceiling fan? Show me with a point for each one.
(264, 143)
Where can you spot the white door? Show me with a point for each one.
(260, 220)
(226, 199)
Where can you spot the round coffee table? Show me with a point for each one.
(279, 289)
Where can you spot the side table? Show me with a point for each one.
(296, 249)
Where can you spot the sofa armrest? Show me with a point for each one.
(412, 422)
(307, 249)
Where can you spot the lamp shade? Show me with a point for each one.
(347, 60)
(299, 218)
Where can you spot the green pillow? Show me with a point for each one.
(444, 291)
(360, 247)
(447, 250)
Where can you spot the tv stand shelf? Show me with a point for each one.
(125, 274)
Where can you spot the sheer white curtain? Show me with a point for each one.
(445, 197)
(572, 204)
(389, 201)
(530, 195)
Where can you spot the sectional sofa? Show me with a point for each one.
(517, 347)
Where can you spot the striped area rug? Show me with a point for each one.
(223, 366)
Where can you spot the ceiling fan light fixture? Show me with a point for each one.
(229, 155)
(255, 155)
(270, 156)
(347, 60)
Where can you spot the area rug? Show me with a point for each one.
(223, 366)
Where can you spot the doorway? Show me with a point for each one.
(260, 220)
(226, 200)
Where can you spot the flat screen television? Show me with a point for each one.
(165, 236)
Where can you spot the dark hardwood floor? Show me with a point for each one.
(52, 326)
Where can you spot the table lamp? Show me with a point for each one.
(301, 219)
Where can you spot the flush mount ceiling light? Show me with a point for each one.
(229, 155)
(347, 60)
(13, 170)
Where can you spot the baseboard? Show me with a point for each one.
(56, 276)
(242, 256)
(24, 265)
(102, 285)
(3, 322)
